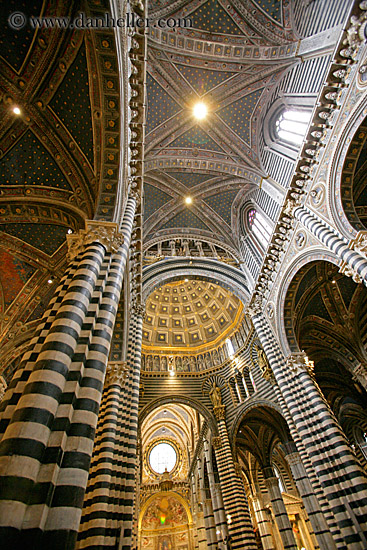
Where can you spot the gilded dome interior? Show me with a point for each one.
(189, 314)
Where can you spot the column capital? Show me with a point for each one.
(348, 271)
(105, 233)
(217, 442)
(116, 373)
(255, 307)
(220, 412)
(138, 309)
(299, 362)
(3, 386)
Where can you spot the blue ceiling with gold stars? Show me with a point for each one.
(71, 103)
(222, 203)
(218, 61)
(238, 114)
(198, 138)
(14, 45)
(212, 18)
(29, 163)
(34, 234)
(160, 105)
(272, 8)
(154, 198)
(186, 218)
(191, 179)
(203, 80)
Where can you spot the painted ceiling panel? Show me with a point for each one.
(272, 8)
(34, 234)
(29, 163)
(222, 204)
(14, 273)
(71, 103)
(190, 179)
(154, 198)
(317, 307)
(211, 17)
(238, 114)
(347, 289)
(307, 281)
(203, 80)
(161, 106)
(196, 138)
(186, 219)
(14, 45)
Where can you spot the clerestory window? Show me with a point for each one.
(291, 125)
(259, 226)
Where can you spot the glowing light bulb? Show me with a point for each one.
(200, 111)
(16, 111)
(188, 200)
(171, 372)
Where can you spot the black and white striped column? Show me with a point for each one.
(309, 499)
(263, 522)
(216, 497)
(235, 502)
(211, 538)
(279, 510)
(339, 473)
(332, 241)
(48, 433)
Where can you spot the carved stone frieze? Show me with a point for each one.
(105, 233)
(116, 373)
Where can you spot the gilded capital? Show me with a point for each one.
(220, 412)
(217, 442)
(105, 233)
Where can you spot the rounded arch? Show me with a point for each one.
(336, 175)
(248, 406)
(175, 269)
(286, 333)
(180, 400)
(166, 494)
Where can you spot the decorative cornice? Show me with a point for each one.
(104, 233)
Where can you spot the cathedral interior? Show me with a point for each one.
(183, 303)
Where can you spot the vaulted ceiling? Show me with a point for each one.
(229, 58)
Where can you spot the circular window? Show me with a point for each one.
(162, 456)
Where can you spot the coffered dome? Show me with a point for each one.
(189, 314)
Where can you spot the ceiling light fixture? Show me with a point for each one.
(188, 200)
(200, 110)
(16, 110)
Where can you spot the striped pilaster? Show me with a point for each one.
(207, 509)
(339, 473)
(332, 241)
(263, 523)
(218, 509)
(235, 502)
(279, 510)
